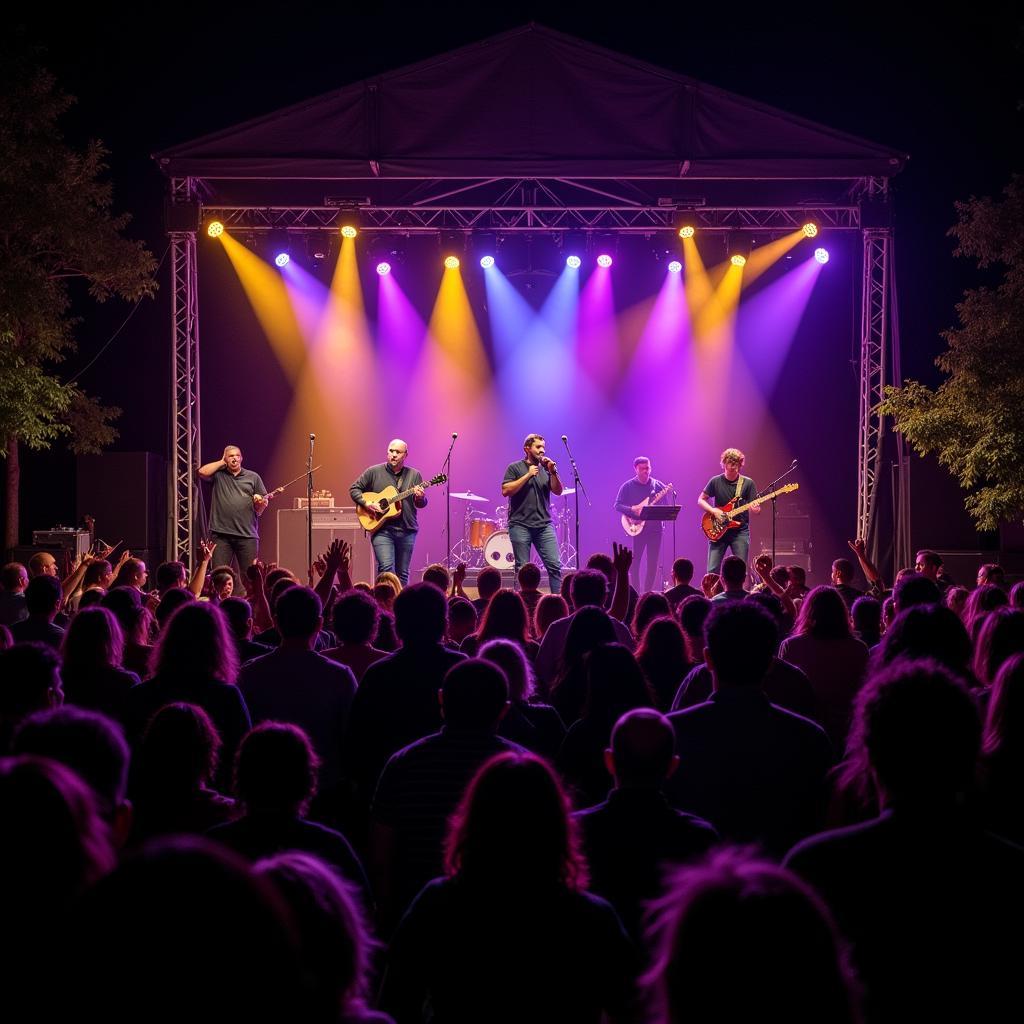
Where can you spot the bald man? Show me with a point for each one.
(393, 542)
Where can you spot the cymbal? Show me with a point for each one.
(468, 496)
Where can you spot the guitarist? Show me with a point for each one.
(729, 486)
(394, 541)
(628, 503)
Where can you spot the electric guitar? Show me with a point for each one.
(714, 530)
(386, 505)
(634, 527)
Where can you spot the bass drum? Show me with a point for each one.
(498, 551)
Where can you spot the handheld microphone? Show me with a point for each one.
(565, 437)
(312, 437)
(455, 434)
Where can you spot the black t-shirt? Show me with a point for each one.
(529, 505)
(723, 491)
(232, 511)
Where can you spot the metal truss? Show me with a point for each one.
(637, 220)
(874, 362)
(185, 433)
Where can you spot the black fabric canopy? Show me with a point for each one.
(529, 103)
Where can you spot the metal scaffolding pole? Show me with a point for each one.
(185, 446)
(874, 361)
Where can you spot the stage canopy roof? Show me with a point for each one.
(529, 103)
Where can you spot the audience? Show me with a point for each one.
(740, 939)
(385, 731)
(511, 928)
(634, 834)
(918, 889)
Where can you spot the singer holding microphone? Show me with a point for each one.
(529, 484)
(727, 486)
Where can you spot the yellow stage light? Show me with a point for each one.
(810, 230)
(348, 231)
(686, 231)
(216, 229)
(451, 262)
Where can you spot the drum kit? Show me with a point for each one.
(485, 537)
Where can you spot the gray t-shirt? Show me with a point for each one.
(529, 505)
(232, 511)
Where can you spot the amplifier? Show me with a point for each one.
(66, 537)
(319, 501)
(328, 524)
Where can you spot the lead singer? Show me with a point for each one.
(529, 484)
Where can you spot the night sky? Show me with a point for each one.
(945, 90)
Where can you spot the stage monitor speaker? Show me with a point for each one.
(962, 566)
(328, 524)
(126, 493)
(801, 558)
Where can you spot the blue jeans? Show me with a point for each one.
(544, 540)
(393, 550)
(738, 540)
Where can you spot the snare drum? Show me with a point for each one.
(479, 531)
(498, 550)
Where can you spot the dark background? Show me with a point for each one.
(944, 88)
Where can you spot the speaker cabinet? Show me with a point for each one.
(328, 524)
(126, 493)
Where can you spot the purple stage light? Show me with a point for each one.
(281, 259)
(573, 262)
(383, 268)
(487, 262)
(675, 267)
(604, 260)
(821, 255)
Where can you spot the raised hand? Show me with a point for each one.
(206, 549)
(622, 557)
(763, 565)
(858, 547)
(459, 575)
(319, 567)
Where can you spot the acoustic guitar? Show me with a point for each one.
(387, 504)
(714, 530)
(634, 527)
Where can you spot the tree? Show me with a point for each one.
(974, 420)
(56, 226)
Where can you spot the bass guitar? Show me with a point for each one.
(714, 530)
(634, 527)
(386, 505)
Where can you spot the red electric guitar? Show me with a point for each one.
(714, 530)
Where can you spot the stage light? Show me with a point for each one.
(348, 231)
(451, 262)
(216, 229)
(282, 259)
(739, 260)
(383, 268)
(686, 231)
(487, 262)
(604, 260)
(810, 230)
(675, 267)
(573, 262)
(821, 255)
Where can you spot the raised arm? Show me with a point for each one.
(206, 548)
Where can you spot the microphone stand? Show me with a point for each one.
(771, 487)
(675, 501)
(447, 467)
(309, 509)
(577, 483)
